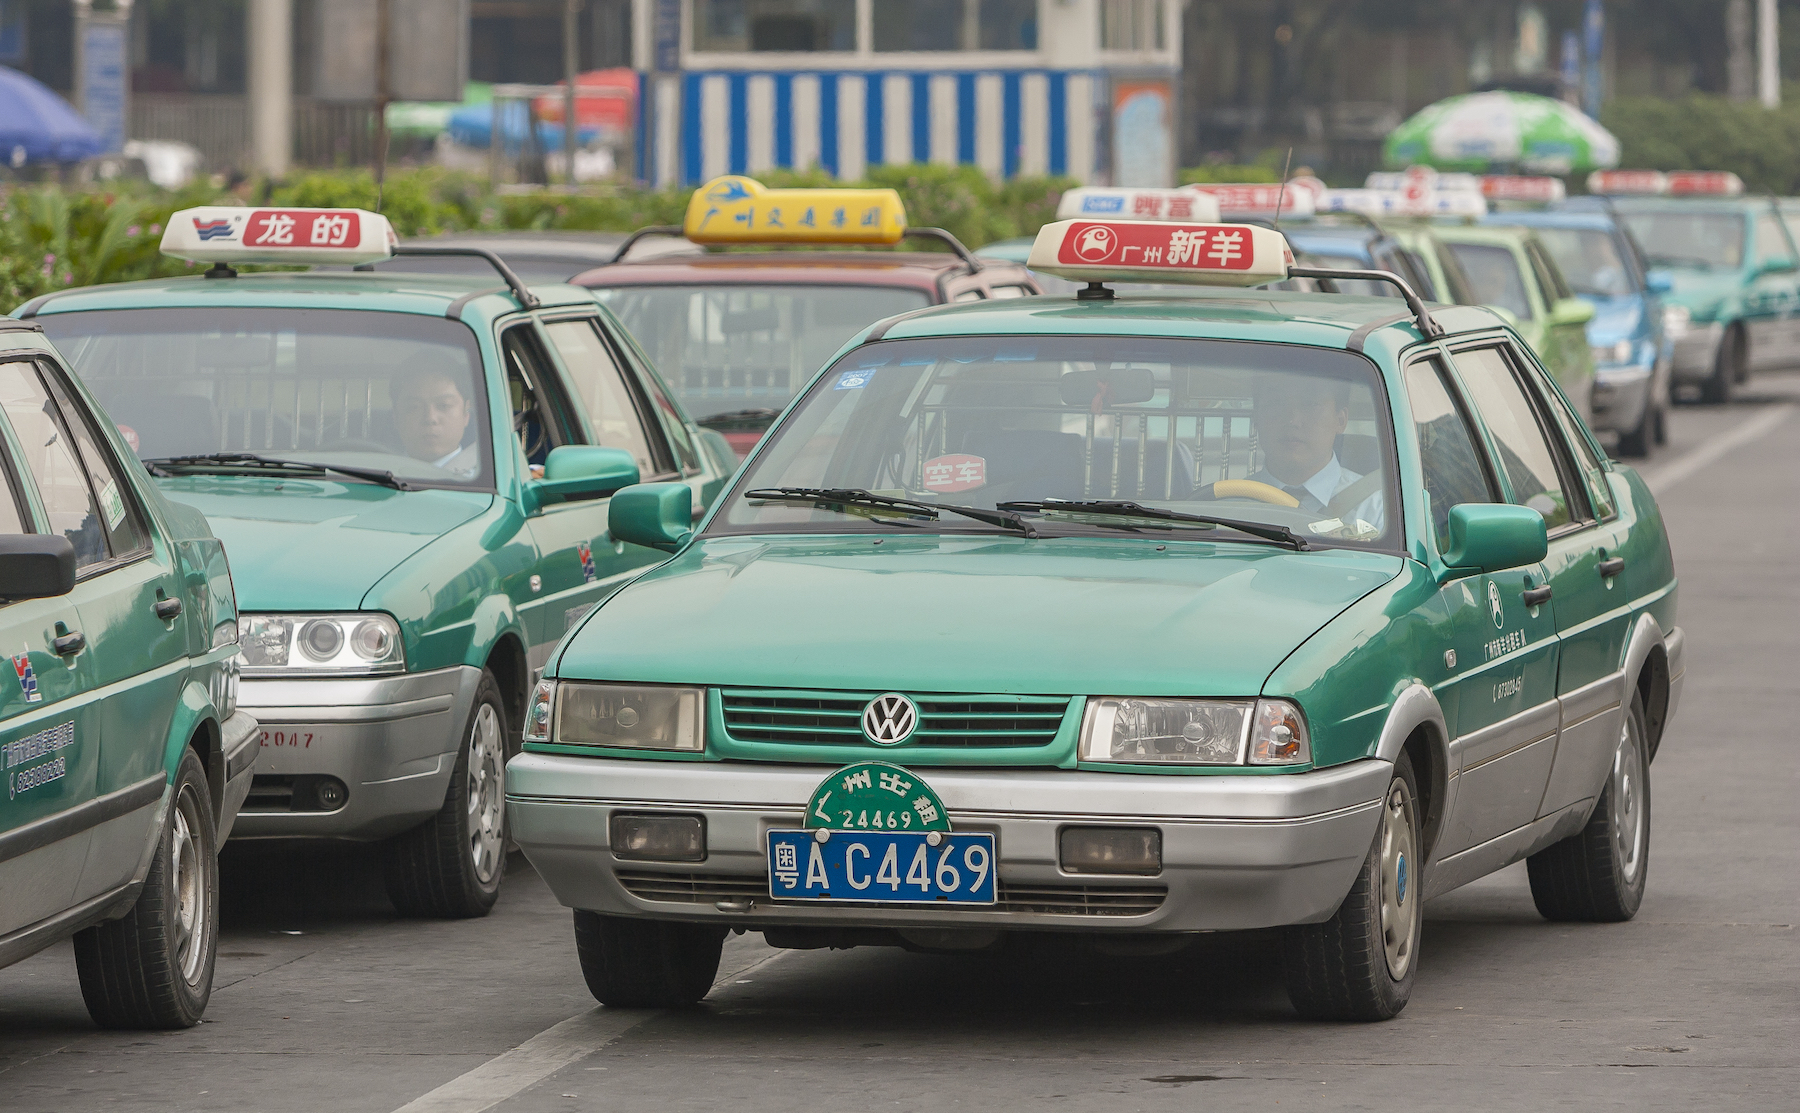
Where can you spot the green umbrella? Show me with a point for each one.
(1485, 131)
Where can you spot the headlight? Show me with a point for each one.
(632, 716)
(1194, 732)
(319, 644)
(1608, 354)
(537, 713)
(1676, 320)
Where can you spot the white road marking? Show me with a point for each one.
(544, 1054)
(1712, 451)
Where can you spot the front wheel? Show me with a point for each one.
(646, 964)
(1598, 874)
(153, 968)
(1360, 964)
(1730, 369)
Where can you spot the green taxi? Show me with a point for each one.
(1120, 615)
(124, 751)
(410, 473)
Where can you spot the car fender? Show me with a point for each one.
(196, 714)
(1417, 706)
(1648, 637)
(494, 617)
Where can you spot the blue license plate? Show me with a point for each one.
(897, 867)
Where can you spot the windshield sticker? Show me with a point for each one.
(112, 505)
(956, 472)
(852, 380)
(28, 684)
(31, 747)
(586, 553)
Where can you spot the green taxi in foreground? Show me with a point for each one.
(410, 475)
(124, 753)
(1133, 615)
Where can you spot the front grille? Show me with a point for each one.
(1038, 899)
(835, 718)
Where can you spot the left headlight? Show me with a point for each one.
(1194, 732)
(630, 716)
(364, 644)
(1607, 355)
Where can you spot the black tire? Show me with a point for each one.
(1634, 444)
(153, 967)
(1344, 968)
(646, 964)
(450, 867)
(1598, 874)
(1662, 425)
(1728, 369)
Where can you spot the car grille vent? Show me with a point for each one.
(835, 718)
(1036, 899)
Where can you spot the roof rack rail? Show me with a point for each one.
(527, 299)
(1428, 327)
(945, 236)
(652, 230)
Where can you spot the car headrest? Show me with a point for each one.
(1359, 452)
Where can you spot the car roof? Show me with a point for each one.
(1338, 239)
(1595, 220)
(1498, 235)
(920, 269)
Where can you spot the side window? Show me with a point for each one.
(50, 457)
(674, 429)
(1525, 455)
(1454, 472)
(540, 417)
(12, 504)
(121, 516)
(1771, 241)
(1550, 276)
(1587, 462)
(598, 379)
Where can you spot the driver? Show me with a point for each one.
(432, 414)
(1298, 420)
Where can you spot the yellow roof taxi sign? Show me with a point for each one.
(736, 209)
(1161, 251)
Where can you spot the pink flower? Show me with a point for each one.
(48, 259)
(155, 229)
(133, 230)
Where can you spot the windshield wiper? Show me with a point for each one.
(732, 417)
(159, 465)
(830, 497)
(1280, 535)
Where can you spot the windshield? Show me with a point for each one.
(396, 392)
(1689, 239)
(1494, 277)
(730, 348)
(1589, 258)
(1174, 424)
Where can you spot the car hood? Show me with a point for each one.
(1615, 319)
(971, 614)
(1700, 292)
(315, 545)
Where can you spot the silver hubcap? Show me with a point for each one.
(1399, 880)
(1628, 804)
(191, 891)
(487, 793)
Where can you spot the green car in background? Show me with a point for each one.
(124, 753)
(1509, 270)
(410, 473)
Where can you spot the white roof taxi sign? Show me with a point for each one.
(1161, 251)
(224, 234)
(1137, 204)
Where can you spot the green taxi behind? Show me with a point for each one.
(124, 751)
(1134, 615)
(410, 473)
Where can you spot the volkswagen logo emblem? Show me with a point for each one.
(889, 720)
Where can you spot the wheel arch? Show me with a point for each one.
(1646, 673)
(195, 726)
(507, 661)
(1415, 726)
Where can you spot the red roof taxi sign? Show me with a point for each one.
(1628, 182)
(1263, 202)
(1514, 187)
(1712, 183)
(1100, 203)
(1161, 251)
(222, 234)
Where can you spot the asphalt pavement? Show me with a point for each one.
(325, 1000)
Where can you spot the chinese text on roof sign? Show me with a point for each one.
(735, 209)
(1137, 204)
(1159, 251)
(222, 234)
(1261, 201)
(1701, 183)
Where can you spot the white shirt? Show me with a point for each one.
(462, 463)
(1325, 485)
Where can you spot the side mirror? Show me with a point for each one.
(36, 566)
(581, 471)
(1778, 266)
(1571, 311)
(1659, 281)
(656, 515)
(1489, 536)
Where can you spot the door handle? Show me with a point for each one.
(1611, 568)
(68, 645)
(167, 609)
(1536, 596)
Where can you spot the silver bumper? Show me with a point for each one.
(238, 746)
(392, 741)
(1620, 395)
(1238, 851)
(1697, 352)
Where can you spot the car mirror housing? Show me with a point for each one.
(36, 566)
(656, 515)
(1489, 536)
(1571, 311)
(582, 471)
(1659, 281)
(1778, 266)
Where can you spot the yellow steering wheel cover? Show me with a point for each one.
(1251, 489)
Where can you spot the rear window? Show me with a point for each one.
(1494, 277)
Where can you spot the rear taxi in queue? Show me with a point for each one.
(410, 473)
(1123, 615)
(739, 332)
(124, 752)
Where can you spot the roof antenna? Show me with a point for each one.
(1281, 194)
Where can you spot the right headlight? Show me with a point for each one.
(1194, 732)
(629, 716)
(1676, 320)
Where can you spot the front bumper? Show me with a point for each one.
(1238, 851)
(1620, 394)
(391, 740)
(1697, 352)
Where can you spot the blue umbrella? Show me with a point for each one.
(472, 125)
(36, 125)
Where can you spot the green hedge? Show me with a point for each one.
(1705, 132)
(51, 239)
